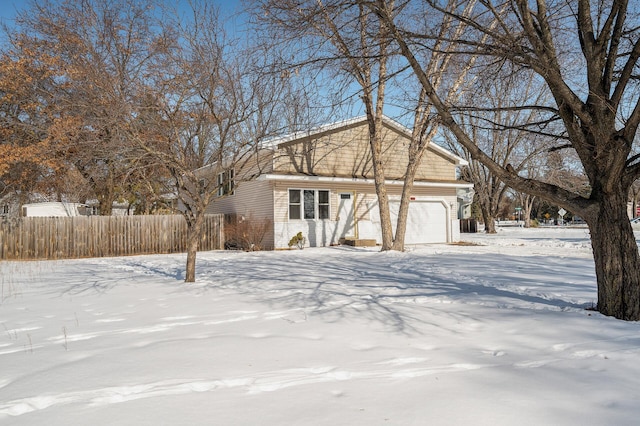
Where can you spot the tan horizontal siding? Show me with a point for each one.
(254, 165)
(347, 154)
(344, 153)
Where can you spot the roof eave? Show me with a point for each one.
(334, 179)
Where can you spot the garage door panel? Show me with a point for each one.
(426, 221)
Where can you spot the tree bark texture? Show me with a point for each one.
(405, 200)
(381, 192)
(416, 151)
(600, 127)
(617, 262)
(489, 220)
(194, 233)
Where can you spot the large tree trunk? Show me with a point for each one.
(527, 214)
(105, 201)
(489, 220)
(616, 257)
(527, 206)
(194, 232)
(601, 128)
(403, 212)
(105, 192)
(385, 215)
(375, 141)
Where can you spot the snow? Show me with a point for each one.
(495, 332)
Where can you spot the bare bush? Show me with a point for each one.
(246, 233)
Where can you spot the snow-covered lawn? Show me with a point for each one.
(489, 334)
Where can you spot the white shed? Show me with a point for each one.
(54, 209)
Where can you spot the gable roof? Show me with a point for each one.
(316, 132)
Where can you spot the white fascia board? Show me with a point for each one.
(226, 162)
(206, 167)
(459, 160)
(407, 131)
(330, 179)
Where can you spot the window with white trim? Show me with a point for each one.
(308, 204)
(323, 204)
(226, 185)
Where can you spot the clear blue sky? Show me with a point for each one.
(8, 8)
(228, 8)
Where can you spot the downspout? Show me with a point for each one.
(449, 207)
(355, 216)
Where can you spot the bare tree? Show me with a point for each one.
(346, 39)
(515, 136)
(597, 104)
(440, 64)
(205, 110)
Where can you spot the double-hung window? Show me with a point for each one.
(226, 184)
(308, 204)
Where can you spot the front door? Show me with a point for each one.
(346, 222)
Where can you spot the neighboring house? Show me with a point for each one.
(54, 209)
(321, 183)
(8, 207)
(64, 209)
(633, 209)
(117, 208)
(11, 203)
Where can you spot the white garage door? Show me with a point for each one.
(426, 221)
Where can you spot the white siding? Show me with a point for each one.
(252, 200)
(324, 232)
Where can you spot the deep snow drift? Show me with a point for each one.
(489, 334)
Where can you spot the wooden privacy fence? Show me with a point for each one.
(101, 236)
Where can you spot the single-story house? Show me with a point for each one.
(118, 208)
(321, 183)
(54, 209)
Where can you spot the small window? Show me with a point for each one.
(226, 184)
(323, 204)
(5, 209)
(309, 204)
(294, 204)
